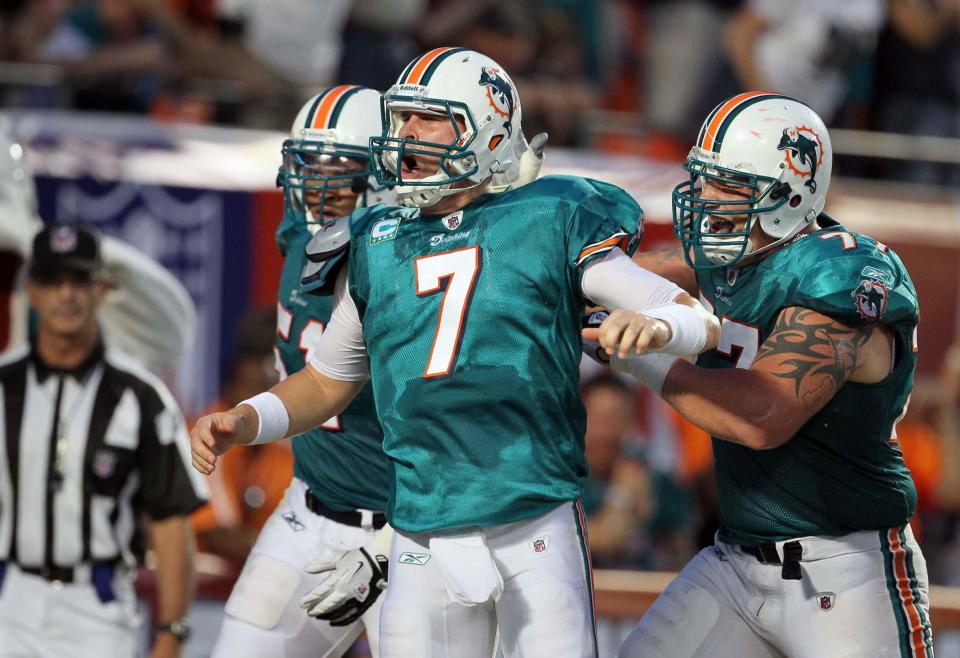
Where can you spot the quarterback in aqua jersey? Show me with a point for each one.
(338, 494)
(462, 308)
(814, 556)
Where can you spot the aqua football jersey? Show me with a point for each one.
(843, 471)
(472, 328)
(342, 462)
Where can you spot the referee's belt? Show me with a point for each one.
(99, 574)
(354, 518)
(84, 573)
(767, 553)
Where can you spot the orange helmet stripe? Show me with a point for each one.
(420, 68)
(710, 134)
(322, 116)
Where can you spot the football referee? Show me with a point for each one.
(94, 462)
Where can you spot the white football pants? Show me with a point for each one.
(863, 595)
(40, 619)
(263, 613)
(545, 608)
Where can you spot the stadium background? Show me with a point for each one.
(161, 122)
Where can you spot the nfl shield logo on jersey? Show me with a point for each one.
(826, 599)
(104, 463)
(732, 273)
(453, 220)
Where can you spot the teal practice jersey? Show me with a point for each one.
(843, 471)
(472, 328)
(342, 462)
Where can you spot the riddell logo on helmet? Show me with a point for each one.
(415, 90)
(802, 147)
(499, 94)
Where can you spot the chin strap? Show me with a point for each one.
(428, 196)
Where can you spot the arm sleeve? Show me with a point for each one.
(170, 485)
(615, 281)
(342, 352)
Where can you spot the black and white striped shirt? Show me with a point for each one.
(85, 456)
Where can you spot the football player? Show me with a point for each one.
(815, 556)
(339, 489)
(463, 310)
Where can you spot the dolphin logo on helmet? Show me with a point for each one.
(803, 149)
(500, 94)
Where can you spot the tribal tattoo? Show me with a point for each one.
(814, 351)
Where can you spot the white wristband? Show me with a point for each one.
(689, 331)
(274, 421)
(651, 369)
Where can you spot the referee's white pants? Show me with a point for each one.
(40, 619)
(863, 595)
(263, 615)
(544, 608)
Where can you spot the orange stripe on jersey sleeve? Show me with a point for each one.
(424, 64)
(709, 135)
(322, 116)
(606, 244)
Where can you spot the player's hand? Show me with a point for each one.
(355, 580)
(212, 436)
(628, 333)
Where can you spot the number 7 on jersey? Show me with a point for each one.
(458, 269)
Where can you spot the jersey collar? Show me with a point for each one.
(44, 370)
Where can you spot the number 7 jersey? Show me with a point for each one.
(472, 327)
(843, 471)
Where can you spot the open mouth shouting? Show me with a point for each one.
(419, 165)
(721, 224)
(409, 167)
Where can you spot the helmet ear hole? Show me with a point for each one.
(795, 200)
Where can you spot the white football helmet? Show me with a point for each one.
(772, 145)
(329, 148)
(454, 82)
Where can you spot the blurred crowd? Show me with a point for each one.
(619, 75)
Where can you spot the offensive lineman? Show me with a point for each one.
(815, 556)
(463, 309)
(339, 489)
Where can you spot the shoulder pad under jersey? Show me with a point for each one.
(325, 254)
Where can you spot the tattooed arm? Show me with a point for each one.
(799, 368)
(668, 262)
